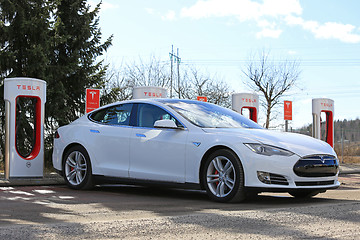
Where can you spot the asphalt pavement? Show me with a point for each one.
(53, 178)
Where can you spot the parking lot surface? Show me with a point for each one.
(131, 212)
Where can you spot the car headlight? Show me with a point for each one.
(267, 149)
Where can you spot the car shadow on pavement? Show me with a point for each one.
(64, 212)
(279, 212)
(198, 199)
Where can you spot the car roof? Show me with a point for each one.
(152, 100)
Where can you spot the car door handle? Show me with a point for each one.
(140, 135)
(94, 131)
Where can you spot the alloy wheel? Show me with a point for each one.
(75, 168)
(221, 176)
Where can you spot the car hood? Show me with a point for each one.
(299, 144)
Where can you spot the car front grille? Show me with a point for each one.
(314, 183)
(317, 166)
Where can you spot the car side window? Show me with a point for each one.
(148, 114)
(114, 115)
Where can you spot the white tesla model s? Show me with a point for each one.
(189, 143)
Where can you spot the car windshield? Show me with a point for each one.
(207, 115)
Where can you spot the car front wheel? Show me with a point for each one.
(77, 168)
(223, 177)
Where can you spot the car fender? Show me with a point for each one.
(69, 138)
(200, 145)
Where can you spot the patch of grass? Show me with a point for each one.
(350, 159)
(350, 153)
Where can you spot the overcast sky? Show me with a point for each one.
(219, 35)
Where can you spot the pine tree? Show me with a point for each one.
(57, 41)
(73, 68)
(24, 44)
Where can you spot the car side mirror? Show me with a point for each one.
(166, 123)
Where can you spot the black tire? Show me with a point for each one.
(303, 193)
(77, 170)
(251, 196)
(223, 177)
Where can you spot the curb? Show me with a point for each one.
(354, 171)
(349, 169)
(47, 180)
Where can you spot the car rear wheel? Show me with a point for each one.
(77, 168)
(223, 177)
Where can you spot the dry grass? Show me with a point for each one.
(351, 152)
(350, 159)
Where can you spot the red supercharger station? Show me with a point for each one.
(287, 113)
(92, 99)
(201, 98)
(325, 105)
(24, 127)
(248, 101)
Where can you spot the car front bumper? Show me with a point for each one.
(285, 173)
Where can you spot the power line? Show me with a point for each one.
(306, 62)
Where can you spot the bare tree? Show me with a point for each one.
(271, 78)
(117, 88)
(196, 83)
(155, 72)
(152, 73)
(121, 80)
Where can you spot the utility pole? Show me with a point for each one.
(178, 64)
(171, 69)
(342, 145)
(177, 59)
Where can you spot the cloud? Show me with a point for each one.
(104, 5)
(343, 32)
(267, 32)
(150, 11)
(246, 10)
(329, 30)
(169, 16)
(242, 9)
(276, 8)
(270, 16)
(265, 24)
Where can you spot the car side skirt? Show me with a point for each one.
(100, 179)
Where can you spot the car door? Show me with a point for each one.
(109, 137)
(157, 154)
